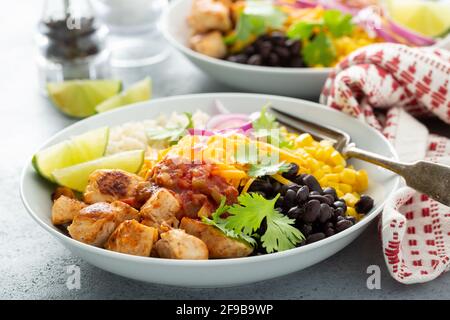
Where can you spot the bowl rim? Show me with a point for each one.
(199, 263)
(163, 26)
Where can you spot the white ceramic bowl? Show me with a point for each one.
(293, 82)
(36, 193)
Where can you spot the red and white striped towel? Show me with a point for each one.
(386, 85)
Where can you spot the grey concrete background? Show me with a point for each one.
(33, 265)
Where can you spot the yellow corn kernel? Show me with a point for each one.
(311, 150)
(326, 169)
(348, 176)
(328, 151)
(313, 164)
(350, 199)
(345, 188)
(332, 184)
(337, 159)
(332, 177)
(352, 212)
(326, 143)
(338, 168)
(304, 139)
(320, 155)
(362, 180)
(324, 182)
(318, 174)
(339, 193)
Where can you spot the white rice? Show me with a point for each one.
(132, 135)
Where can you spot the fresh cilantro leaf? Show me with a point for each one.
(319, 51)
(257, 17)
(267, 169)
(171, 134)
(301, 30)
(190, 124)
(220, 223)
(338, 24)
(265, 120)
(252, 210)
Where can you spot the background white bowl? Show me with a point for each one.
(293, 82)
(35, 193)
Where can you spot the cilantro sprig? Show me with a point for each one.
(247, 216)
(267, 169)
(317, 36)
(220, 223)
(171, 134)
(256, 18)
(266, 126)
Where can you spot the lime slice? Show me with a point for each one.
(430, 18)
(85, 147)
(139, 91)
(78, 98)
(76, 177)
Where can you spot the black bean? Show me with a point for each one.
(339, 218)
(327, 225)
(255, 60)
(282, 52)
(314, 193)
(289, 198)
(279, 202)
(312, 183)
(294, 47)
(329, 232)
(322, 199)
(265, 48)
(294, 212)
(330, 191)
(330, 199)
(364, 205)
(283, 189)
(239, 58)
(302, 194)
(325, 213)
(297, 62)
(340, 204)
(339, 212)
(312, 211)
(315, 237)
(351, 219)
(292, 171)
(299, 179)
(250, 50)
(273, 60)
(277, 38)
(306, 229)
(276, 187)
(342, 225)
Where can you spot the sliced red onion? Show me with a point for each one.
(305, 4)
(200, 132)
(385, 35)
(229, 121)
(414, 37)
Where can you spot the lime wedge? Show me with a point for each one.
(85, 147)
(430, 18)
(139, 91)
(78, 98)
(76, 177)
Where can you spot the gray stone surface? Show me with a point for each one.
(33, 264)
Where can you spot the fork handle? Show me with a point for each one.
(432, 179)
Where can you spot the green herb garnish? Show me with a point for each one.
(171, 134)
(267, 169)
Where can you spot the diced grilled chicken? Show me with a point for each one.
(161, 209)
(110, 185)
(177, 244)
(210, 44)
(63, 191)
(64, 209)
(219, 245)
(95, 223)
(207, 15)
(134, 238)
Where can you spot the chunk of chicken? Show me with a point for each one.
(110, 185)
(134, 238)
(210, 44)
(177, 244)
(207, 15)
(64, 210)
(95, 223)
(161, 209)
(219, 245)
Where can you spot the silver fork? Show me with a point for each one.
(430, 178)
